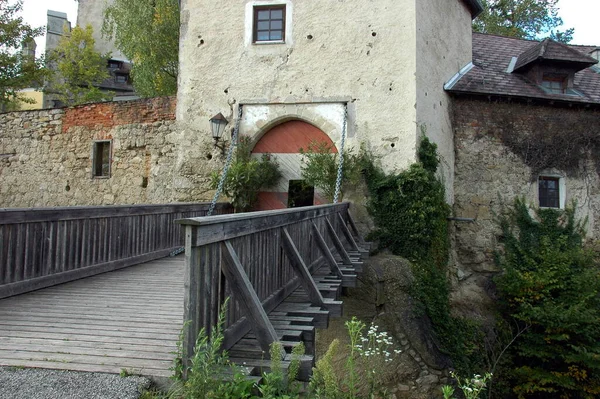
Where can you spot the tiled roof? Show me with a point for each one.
(492, 56)
(549, 50)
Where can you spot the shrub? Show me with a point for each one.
(247, 176)
(320, 168)
(551, 282)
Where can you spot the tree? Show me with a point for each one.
(78, 69)
(17, 70)
(147, 32)
(525, 19)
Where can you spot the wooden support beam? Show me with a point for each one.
(348, 235)
(247, 298)
(306, 279)
(322, 245)
(355, 229)
(338, 244)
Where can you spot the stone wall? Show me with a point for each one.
(46, 155)
(488, 177)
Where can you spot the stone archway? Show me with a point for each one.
(284, 142)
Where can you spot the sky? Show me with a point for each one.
(579, 14)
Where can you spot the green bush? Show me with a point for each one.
(410, 215)
(320, 168)
(247, 176)
(550, 282)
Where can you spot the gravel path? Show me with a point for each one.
(55, 384)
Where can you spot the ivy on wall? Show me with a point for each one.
(410, 215)
(545, 137)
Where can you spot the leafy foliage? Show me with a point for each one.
(79, 69)
(364, 370)
(147, 33)
(551, 282)
(410, 215)
(247, 176)
(17, 71)
(207, 377)
(525, 19)
(320, 168)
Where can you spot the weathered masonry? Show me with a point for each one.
(525, 119)
(96, 154)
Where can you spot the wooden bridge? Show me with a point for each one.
(283, 271)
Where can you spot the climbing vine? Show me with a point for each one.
(543, 140)
(410, 215)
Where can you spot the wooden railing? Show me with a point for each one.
(257, 259)
(41, 247)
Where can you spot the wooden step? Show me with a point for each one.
(321, 317)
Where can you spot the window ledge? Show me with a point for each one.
(100, 177)
(264, 42)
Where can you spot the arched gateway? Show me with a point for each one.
(284, 142)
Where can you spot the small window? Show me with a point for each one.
(549, 192)
(300, 194)
(121, 78)
(114, 64)
(554, 84)
(269, 23)
(101, 159)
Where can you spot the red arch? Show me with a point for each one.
(289, 137)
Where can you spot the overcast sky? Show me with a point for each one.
(583, 15)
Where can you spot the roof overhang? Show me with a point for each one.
(475, 6)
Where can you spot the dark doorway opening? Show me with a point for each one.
(300, 194)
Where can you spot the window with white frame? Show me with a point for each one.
(269, 23)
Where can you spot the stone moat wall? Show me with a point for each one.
(46, 155)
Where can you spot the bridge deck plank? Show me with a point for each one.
(126, 319)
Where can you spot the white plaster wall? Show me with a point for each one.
(444, 46)
(92, 12)
(357, 51)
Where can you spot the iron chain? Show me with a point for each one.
(234, 137)
(338, 182)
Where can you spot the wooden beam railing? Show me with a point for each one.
(257, 259)
(41, 247)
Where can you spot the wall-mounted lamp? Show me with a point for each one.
(217, 126)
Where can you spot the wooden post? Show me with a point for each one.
(300, 267)
(191, 303)
(240, 284)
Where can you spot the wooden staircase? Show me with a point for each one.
(285, 291)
